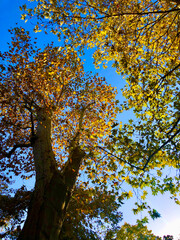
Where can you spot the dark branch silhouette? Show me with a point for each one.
(122, 14)
(20, 145)
(157, 150)
(130, 164)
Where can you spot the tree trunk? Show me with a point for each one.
(53, 187)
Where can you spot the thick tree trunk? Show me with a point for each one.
(53, 187)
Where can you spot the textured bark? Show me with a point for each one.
(53, 187)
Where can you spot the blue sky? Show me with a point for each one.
(169, 223)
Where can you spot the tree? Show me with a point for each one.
(138, 232)
(168, 237)
(53, 117)
(86, 208)
(12, 212)
(141, 39)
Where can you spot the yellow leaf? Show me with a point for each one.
(130, 194)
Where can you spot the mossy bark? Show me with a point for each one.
(53, 187)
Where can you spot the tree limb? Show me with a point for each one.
(130, 164)
(176, 123)
(157, 150)
(171, 71)
(20, 145)
(123, 14)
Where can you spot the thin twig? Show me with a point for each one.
(130, 164)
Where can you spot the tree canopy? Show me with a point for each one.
(45, 95)
(141, 39)
(83, 106)
(47, 98)
(138, 231)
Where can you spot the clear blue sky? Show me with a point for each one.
(169, 223)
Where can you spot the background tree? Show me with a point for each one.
(93, 209)
(168, 237)
(138, 231)
(52, 117)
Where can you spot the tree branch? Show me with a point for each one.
(123, 14)
(167, 134)
(20, 145)
(141, 13)
(33, 135)
(176, 123)
(77, 135)
(130, 164)
(157, 150)
(171, 71)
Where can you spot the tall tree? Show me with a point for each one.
(142, 40)
(53, 116)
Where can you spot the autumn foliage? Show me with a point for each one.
(46, 94)
(81, 105)
(60, 124)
